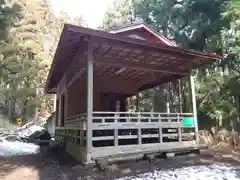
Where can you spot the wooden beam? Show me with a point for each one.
(77, 75)
(77, 62)
(136, 65)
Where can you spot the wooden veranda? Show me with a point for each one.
(92, 70)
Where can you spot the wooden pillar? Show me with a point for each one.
(89, 97)
(57, 113)
(59, 110)
(65, 105)
(168, 98)
(54, 122)
(54, 102)
(180, 108)
(194, 105)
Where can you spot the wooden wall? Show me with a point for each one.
(77, 93)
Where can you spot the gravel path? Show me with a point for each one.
(63, 167)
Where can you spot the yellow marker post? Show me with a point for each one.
(19, 121)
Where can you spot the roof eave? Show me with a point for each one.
(46, 88)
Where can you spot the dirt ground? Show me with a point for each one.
(63, 167)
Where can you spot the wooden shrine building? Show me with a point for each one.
(94, 72)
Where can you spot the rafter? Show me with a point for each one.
(136, 65)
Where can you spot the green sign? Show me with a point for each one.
(188, 121)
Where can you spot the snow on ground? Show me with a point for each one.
(17, 148)
(201, 172)
(30, 130)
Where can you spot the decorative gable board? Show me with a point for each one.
(136, 36)
(142, 32)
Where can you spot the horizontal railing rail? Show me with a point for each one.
(82, 115)
(148, 113)
(138, 117)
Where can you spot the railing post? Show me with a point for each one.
(160, 135)
(179, 130)
(81, 137)
(115, 137)
(194, 106)
(89, 96)
(139, 136)
(76, 136)
(116, 130)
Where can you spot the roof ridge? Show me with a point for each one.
(131, 23)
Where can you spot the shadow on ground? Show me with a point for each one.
(60, 166)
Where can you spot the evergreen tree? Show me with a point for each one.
(27, 55)
(206, 25)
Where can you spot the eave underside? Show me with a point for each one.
(146, 64)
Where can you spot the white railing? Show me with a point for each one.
(144, 127)
(128, 132)
(140, 127)
(74, 130)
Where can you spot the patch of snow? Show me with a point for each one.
(27, 125)
(31, 130)
(34, 129)
(17, 148)
(202, 172)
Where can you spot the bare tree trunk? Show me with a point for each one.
(10, 108)
(184, 96)
(24, 111)
(238, 111)
(220, 122)
(180, 95)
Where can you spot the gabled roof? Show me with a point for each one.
(122, 50)
(138, 25)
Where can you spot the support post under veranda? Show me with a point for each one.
(168, 97)
(192, 93)
(89, 98)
